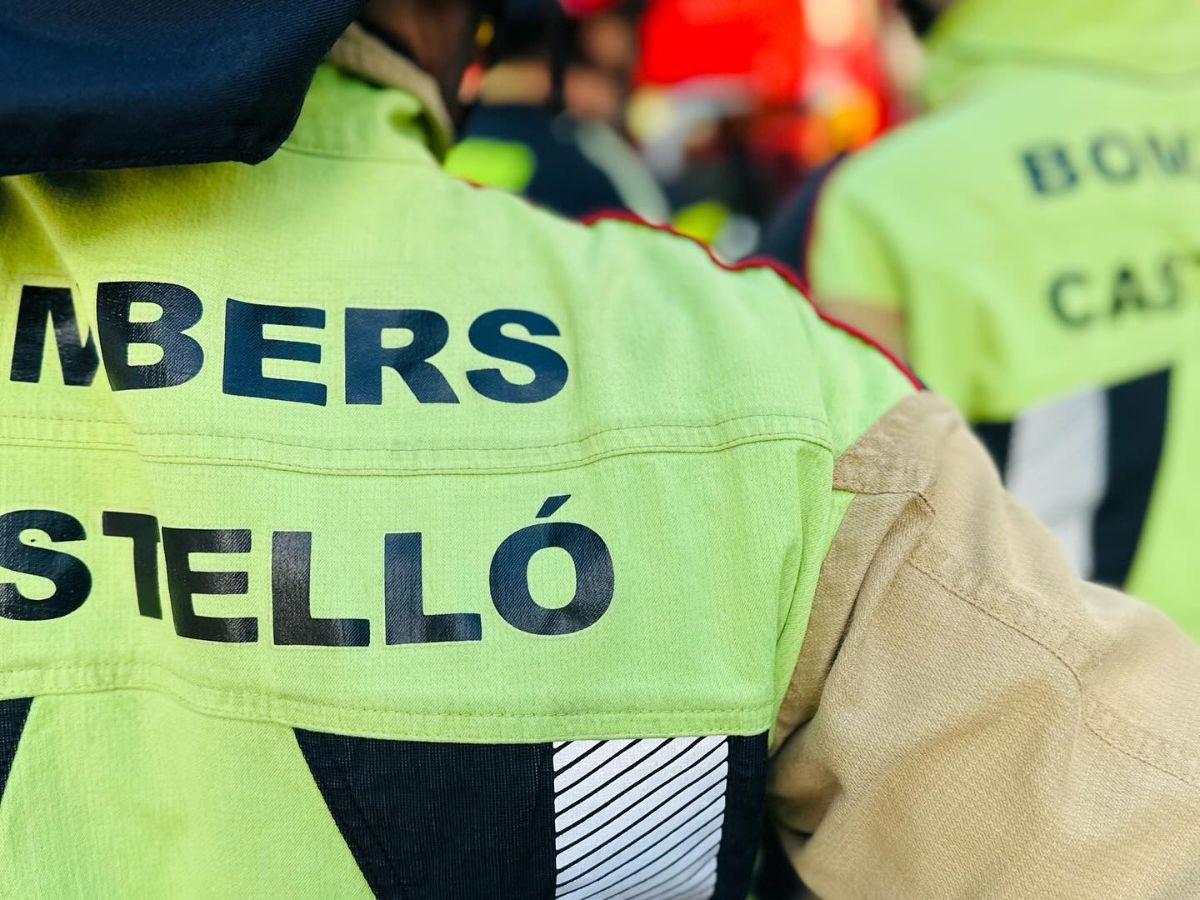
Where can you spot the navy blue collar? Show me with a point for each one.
(99, 84)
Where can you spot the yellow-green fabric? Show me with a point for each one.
(976, 39)
(507, 165)
(694, 433)
(1040, 229)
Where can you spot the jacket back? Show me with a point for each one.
(1040, 231)
(365, 531)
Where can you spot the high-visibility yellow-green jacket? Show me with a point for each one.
(363, 532)
(338, 445)
(1039, 230)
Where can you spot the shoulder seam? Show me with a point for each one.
(758, 263)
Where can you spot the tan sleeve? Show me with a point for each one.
(969, 720)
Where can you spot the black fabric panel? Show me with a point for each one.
(1137, 425)
(997, 438)
(745, 801)
(13, 714)
(430, 821)
(786, 237)
(775, 879)
(116, 83)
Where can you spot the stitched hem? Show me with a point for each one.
(231, 452)
(392, 722)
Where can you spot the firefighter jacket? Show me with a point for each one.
(1036, 237)
(365, 532)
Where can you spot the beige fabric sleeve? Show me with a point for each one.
(966, 718)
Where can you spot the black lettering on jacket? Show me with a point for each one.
(1173, 155)
(183, 582)
(143, 531)
(77, 356)
(508, 578)
(182, 355)
(246, 348)
(549, 369)
(71, 578)
(291, 612)
(406, 621)
(366, 357)
(1068, 312)
(1115, 157)
(1049, 169)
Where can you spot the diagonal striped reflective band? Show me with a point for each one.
(639, 819)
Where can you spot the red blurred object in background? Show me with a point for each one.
(811, 70)
(757, 42)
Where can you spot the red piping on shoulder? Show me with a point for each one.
(764, 263)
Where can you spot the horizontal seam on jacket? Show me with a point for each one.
(56, 419)
(398, 471)
(270, 696)
(59, 443)
(386, 448)
(266, 700)
(219, 455)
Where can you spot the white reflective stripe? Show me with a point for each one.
(631, 858)
(629, 813)
(570, 768)
(689, 873)
(689, 879)
(1058, 467)
(636, 769)
(644, 822)
(574, 797)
